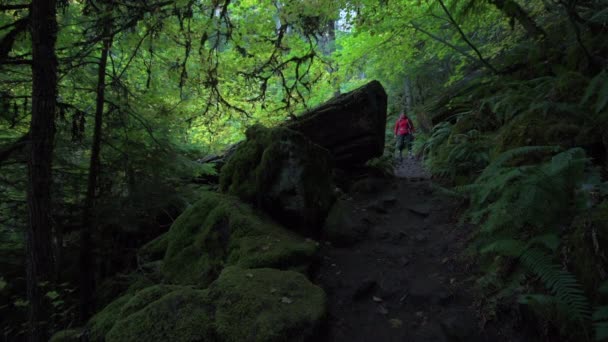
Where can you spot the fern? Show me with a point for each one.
(525, 196)
(598, 89)
(600, 317)
(560, 282)
(568, 295)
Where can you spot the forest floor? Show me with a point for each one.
(409, 278)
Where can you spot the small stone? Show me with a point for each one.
(273, 290)
(365, 288)
(377, 299)
(286, 300)
(389, 200)
(382, 310)
(420, 238)
(249, 275)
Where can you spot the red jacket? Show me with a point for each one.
(403, 126)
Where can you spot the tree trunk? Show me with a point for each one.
(407, 95)
(42, 132)
(512, 10)
(87, 272)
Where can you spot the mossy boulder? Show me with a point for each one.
(266, 305)
(241, 305)
(285, 174)
(182, 315)
(153, 250)
(70, 335)
(101, 323)
(342, 227)
(219, 230)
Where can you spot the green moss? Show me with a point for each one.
(182, 315)
(219, 230)
(144, 297)
(282, 172)
(99, 325)
(266, 305)
(241, 305)
(70, 335)
(153, 250)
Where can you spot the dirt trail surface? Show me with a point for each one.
(404, 278)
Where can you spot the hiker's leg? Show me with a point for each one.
(408, 144)
(400, 143)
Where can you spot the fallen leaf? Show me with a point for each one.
(377, 299)
(273, 290)
(395, 323)
(249, 275)
(286, 300)
(265, 248)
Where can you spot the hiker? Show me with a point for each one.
(404, 130)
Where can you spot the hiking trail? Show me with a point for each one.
(406, 279)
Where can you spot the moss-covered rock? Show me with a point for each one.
(219, 230)
(144, 297)
(241, 305)
(342, 227)
(70, 335)
(100, 324)
(266, 305)
(285, 174)
(153, 250)
(182, 315)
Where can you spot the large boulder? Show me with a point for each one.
(241, 305)
(343, 227)
(218, 231)
(283, 173)
(351, 126)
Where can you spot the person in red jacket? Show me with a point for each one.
(404, 130)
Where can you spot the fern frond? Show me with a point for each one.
(560, 282)
(506, 156)
(508, 247)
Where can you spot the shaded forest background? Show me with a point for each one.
(510, 97)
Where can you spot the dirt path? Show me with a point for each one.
(404, 280)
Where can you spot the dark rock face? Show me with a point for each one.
(351, 126)
(342, 227)
(285, 174)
